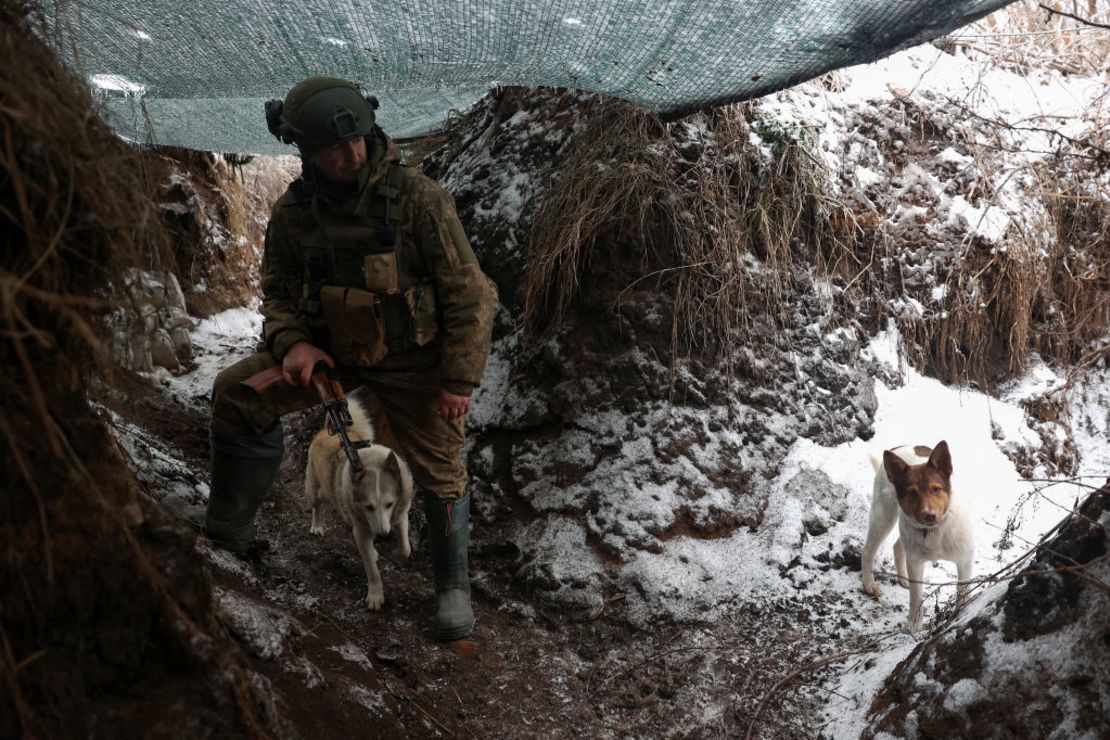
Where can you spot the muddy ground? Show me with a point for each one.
(336, 669)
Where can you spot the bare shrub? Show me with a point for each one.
(715, 222)
(1026, 35)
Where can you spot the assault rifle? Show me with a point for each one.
(335, 406)
(338, 415)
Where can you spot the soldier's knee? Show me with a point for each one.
(236, 409)
(225, 380)
(229, 380)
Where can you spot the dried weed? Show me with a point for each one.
(720, 225)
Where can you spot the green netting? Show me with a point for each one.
(196, 74)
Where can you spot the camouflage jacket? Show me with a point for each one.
(431, 253)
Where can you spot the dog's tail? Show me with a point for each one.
(361, 428)
(876, 460)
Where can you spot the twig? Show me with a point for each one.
(402, 693)
(1073, 479)
(1100, 153)
(605, 605)
(1079, 569)
(11, 674)
(797, 672)
(398, 692)
(1039, 491)
(1084, 21)
(652, 657)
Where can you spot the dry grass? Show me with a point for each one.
(1027, 36)
(725, 231)
(983, 332)
(218, 239)
(697, 211)
(1076, 291)
(1045, 289)
(74, 213)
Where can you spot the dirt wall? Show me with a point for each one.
(106, 615)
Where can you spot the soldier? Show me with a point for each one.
(367, 269)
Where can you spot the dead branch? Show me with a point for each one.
(401, 693)
(1080, 19)
(1100, 154)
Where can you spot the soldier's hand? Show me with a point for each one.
(453, 407)
(296, 366)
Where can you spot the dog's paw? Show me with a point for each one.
(903, 582)
(872, 589)
(374, 600)
(404, 550)
(913, 625)
(316, 529)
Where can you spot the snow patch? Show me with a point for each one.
(265, 630)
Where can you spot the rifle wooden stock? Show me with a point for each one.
(265, 380)
(335, 407)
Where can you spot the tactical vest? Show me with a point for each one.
(352, 293)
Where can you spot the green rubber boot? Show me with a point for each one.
(449, 535)
(243, 469)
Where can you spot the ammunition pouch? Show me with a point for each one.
(365, 327)
(357, 325)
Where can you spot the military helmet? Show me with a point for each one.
(321, 112)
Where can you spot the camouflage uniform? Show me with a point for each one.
(329, 278)
(366, 260)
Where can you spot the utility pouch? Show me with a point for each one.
(355, 322)
(380, 269)
(421, 302)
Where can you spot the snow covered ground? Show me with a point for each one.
(218, 341)
(826, 490)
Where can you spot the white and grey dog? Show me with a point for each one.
(373, 505)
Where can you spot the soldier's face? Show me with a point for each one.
(341, 163)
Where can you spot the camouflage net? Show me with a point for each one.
(197, 74)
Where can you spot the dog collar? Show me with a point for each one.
(925, 530)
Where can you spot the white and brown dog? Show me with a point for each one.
(373, 504)
(913, 485)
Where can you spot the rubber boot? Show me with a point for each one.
(243, 469)
(186, 509)
(449, 535)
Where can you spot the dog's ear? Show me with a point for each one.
(392, 464)
(895, 466)
(941, 459)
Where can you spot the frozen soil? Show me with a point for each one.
(799, 660)
(533, 668)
